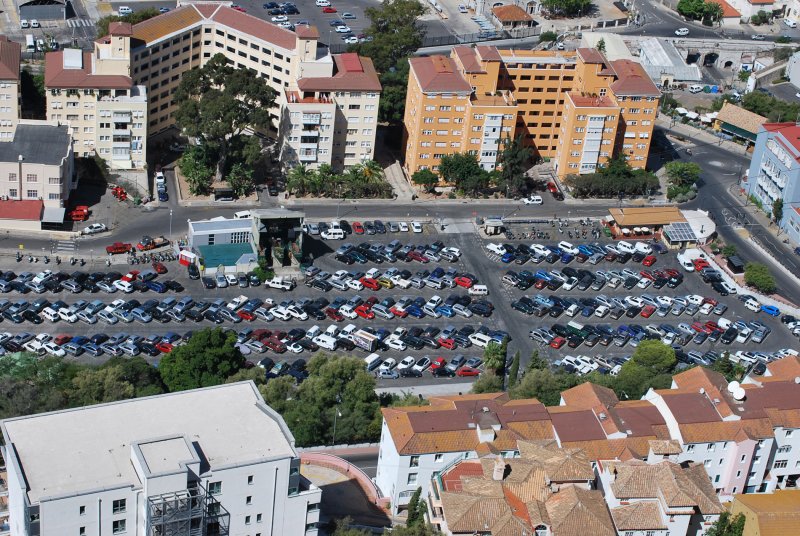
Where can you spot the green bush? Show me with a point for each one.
(757, 276)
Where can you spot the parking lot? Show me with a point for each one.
(445, 327)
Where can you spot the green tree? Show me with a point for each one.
(464, 171)
(408, 399)
(601, 45)
(729, 250)
(548, 37)
(727, 525)
(217, 103)
(649, 367)
(513, 158)
(343, 528)
(301, 180)
(544, 385)
(613, 179)
(413, 517)
(728, 368)
(195, 166)
(538, 362)
(134, 18)
(777, 210)
(762, 17)
(494, 356)
(743, 75)
(683, 173)
(240, 179)
(393, 96)
(719, 102)
(395, 31)
(208, 358)
(144, 377)
(775, 110)
(566, 8)
(757, 275)
(513, 371)
(425, 178)
(99, 385)
(488, 382)
(254, 374)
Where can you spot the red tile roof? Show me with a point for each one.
(30, 210)
(120, 28)
(591, 102)
(438, 74)
(307, 32)
(488, 53)
(591, 55)
(688, 408)
(352, 73)
(632, 79)
(579, 425)
(728, 11)
(56, 76)
(469, 59)
(510, 13)
(242, 22)
(9, 59)
(790, 132)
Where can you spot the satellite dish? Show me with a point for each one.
(733, 386)
(797, 379)
(702, 391)
(739, 394)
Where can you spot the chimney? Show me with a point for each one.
(499, 468)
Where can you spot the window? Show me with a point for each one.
(246, 520)
(710, 446)
(33, 194)
(412, 478)
(118, 526)
(789, 433)
(82, 510)
(12, 192)
(258, 518)
(250, 480)
(785, 448)
(214, 488)
(118, 506)
(780, 464)
(82, 531)
(438, 458)
(31, 177)
(213, 509)
(249, 500)
(756, 459)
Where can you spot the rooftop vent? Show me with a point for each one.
(485, 409)
(602, 416)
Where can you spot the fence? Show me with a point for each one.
(447, 40)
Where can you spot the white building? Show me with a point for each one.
(207, 461)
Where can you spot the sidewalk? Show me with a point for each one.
(664, 121)
(397, 179)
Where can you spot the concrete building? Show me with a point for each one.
(576, 108)
(773, 514)
(326, 107)
(775, 172)
(207, 461)
(10, 89)
(665, 65)
(94, 94)
(747, 437)
(43, 9)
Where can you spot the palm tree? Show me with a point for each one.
(299, 180)
(371, 171)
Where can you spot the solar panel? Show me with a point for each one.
(680, 232)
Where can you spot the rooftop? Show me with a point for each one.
(230, 424)
(10, 55)
(788, 132)
(739, 117)
(638, 216)
(632, 79)
(776, 513)
(438, 74)
(221, 224)
(582, 101)
(27, 209)
(37, 144)
(510, 13)
(351, 73)
(71, 68)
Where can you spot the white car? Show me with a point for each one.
(54, 349)
(403, 226)
(389, 364)
(406, 363)
(416, 227)
(355, 284)
(497, 249)
(342, 29)
(453, 251)
(682, 31)
(568, 247)
(280, 18)
(351, 40)
(533, 200)
(286, 24)
(323, 3)
(95, 228)
(393, 343)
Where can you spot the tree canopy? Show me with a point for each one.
(757, 275)
(566, 8)
(217, 103)
(683, 173)
(395, 32)
(513, 161)
(649, 367)
(727, 525)
(464, 172)
(707, 11)
(615, 178)
(775, 110)
(365, 180)
(425, 178)
(208, 358)
(134, 18)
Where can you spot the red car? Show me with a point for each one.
(437, 363)
(647, 311)
(245, 315)
(700, 327)
(450, 344)
(712, 301)
(370, 283)
(261, 334)
(62, 339)
(131, 276)
(699, 264)
(237, 7)
(164, 347)
(364, 311)
(159, 268)
(416, 256)
(648, 274)
(540, 284)
(650, 260)
(333, 314)
(463, 281)
(468, 371)
(671, 272)
(275, 345)
(661, 273)
(401, 313)
(712, 326)
(358, 228)
(557, 342)
(329, 9)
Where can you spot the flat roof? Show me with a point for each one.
(224, 254)
(166, 455)
(37, 144)
(220, 225)
(76, 450)
(638, 216)
(276, 213)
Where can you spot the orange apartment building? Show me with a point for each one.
(574, 107)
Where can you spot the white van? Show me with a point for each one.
(372, 361)
(241, 215)
(333, 234)
(791, 23)
(325, 341)
(124, 10)
(30, 43)
(478, 290)
(625, 247)
(695, 88)
(23, 23)
(643, 247)
(480, 340)
(753, 305)
(124, 286)
(50, 314)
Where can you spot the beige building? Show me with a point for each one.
(327, 104)
(94, 94)
(768, 514)
(10, 96)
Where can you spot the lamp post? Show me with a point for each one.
(335, 415)
(170, 224)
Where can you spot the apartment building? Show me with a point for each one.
(574, 107)
(747, 437)
(326, 106)
(94, 94)
(206, 461)
(10, 89)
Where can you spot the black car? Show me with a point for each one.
(638, 256)
(633, 311)
(630, 282)
(720, 289)
(173, 286)
(194, 272)
(379, 227)
(410, 373)
(346, 258)
(149, 348)
(193, 315)
(32, 317)
(675, 281)
(660, 282)
(110, 277)
(523, 305)
(20, 287)
(53, 286)
(345, 227)
(622, 258)
(347, 344)
(321, 285)
(443, 372)
(413, 342)
(209, 283)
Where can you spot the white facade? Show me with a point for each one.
(207, 459)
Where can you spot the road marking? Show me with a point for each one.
(65, 245)
(75, 23)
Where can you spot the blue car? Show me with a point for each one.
(587, 311)
(156, 286)
(771, 310)
(445, 310)
(162, 196)
(541, 274)
(80, 340)
(586, 250)
(415, 311)
(555, 249)
(567, 258)
(508, 257)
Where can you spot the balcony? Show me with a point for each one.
(308, 156)
(311, 119)
(498, 98)
(122, 117)
(122, 132)
(296, 97)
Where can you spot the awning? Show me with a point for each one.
(692, 115)
(682, 111)
(53, 215)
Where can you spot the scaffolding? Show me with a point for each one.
(186, 513)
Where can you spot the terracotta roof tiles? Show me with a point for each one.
(740, 118)
(574, 511)
(10, 55)
(632, 79)
(352, 73)
(13, 209)
(438, 74)
(639, 516)
(167, 24)
(510, 13)
(56, 76)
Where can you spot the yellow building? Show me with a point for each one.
(769, 514)
(10, 93)
(574, 107)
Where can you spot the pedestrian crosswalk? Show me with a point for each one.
(76, 23)
(65, 245)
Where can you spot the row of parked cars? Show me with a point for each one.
(395, 250)
(95, 345)
(78, 282)
(569, 278)
(324, 229)
(412, 367)
(566, 252)
(574, 334)
(376, 279)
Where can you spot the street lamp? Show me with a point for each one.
(335, 415)
(170, 224)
